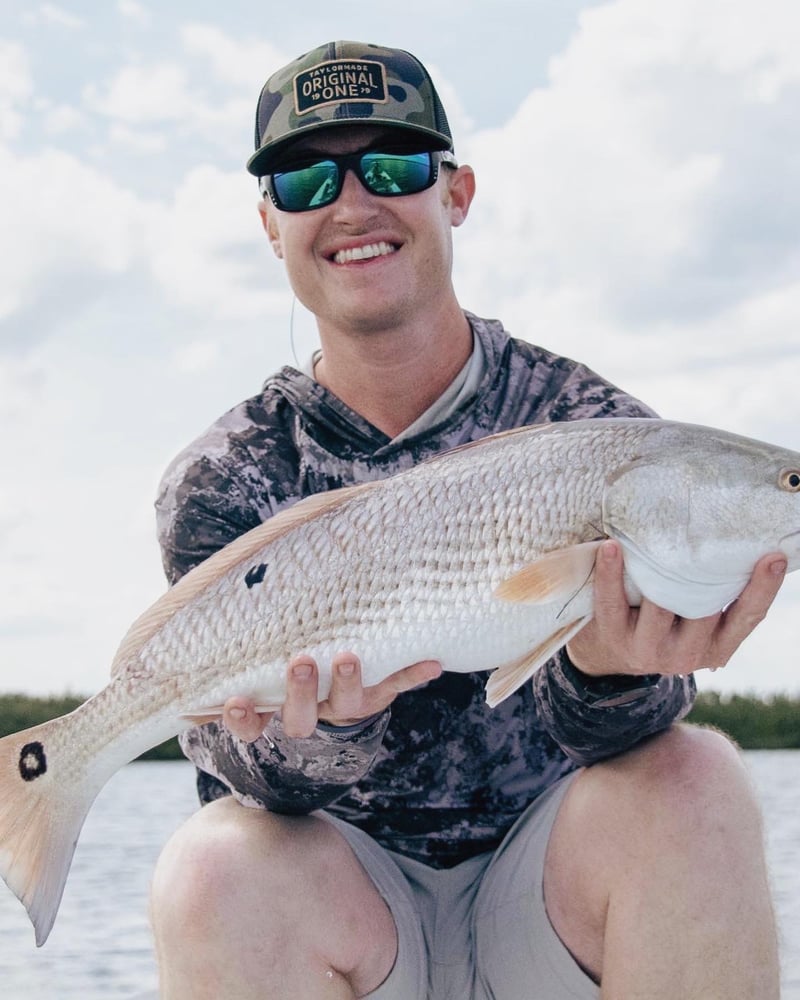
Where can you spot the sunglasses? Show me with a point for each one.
(317, 183)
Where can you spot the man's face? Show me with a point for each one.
(364, 262)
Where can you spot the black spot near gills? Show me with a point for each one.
(32, 761)
(255, 575)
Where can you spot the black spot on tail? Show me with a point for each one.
(255, 575)
(32, 761)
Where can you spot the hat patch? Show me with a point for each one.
(340, 80)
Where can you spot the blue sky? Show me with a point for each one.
(637, 208)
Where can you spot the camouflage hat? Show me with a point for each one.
(341, 83)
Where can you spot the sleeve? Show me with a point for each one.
(198, 512)
(596, 717)
(279, 773)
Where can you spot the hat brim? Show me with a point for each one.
(263, 161)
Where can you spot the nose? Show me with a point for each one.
(354, 195)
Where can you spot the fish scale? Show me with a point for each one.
(481, 558)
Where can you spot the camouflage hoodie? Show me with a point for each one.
(439, 776)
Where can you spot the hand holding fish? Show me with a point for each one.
(348, 701)
(648, 639)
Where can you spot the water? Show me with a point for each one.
(100, 946)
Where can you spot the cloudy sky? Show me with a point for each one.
(638, 208)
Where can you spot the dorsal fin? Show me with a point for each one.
(238, 551)
(499, 435)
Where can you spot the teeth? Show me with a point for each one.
(363, 253)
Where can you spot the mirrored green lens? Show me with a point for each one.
(394, 174)
(307, 187)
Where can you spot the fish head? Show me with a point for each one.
(696, 509)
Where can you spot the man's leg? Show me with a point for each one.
(249, 904)
(655, 876)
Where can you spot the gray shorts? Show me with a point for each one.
(478, 931)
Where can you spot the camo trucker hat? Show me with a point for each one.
(344, 82)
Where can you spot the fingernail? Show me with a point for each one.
(346, 669)
(302, 671)
(237, 713)
(778, 567)
(609, 551)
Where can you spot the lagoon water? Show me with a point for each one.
(100, 946)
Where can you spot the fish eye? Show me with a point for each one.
(790, 480)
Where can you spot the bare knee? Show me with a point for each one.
(266, 891)
(228, 852)
(688, 782)
(695, 783)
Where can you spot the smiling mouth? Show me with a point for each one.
(367, 252)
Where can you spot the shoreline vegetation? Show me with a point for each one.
(755, 723)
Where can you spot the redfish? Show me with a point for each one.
(481, 558)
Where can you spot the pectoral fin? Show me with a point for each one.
(506, 679)
(555, 577)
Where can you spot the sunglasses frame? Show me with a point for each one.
(353, 161)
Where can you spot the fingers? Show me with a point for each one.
(300, 710)
(298, 713)
(346, 696)
(410, 677)
(240, 717)
(751, 607)
(650, 639)
(602, 646)
(349, 702)
(611, 610)
(711, 642)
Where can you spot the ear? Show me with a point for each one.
(268, 221)
(462, 191)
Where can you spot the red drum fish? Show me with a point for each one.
(481, 558)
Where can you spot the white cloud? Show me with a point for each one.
(641, 185)
(757, 44)
(137, 140)
(62, 219)
(181, 103)
(51, 14)
(199, 356)
(70, 519)
(16, 87)
(242, 63)
(59, 119)
(209, 252)
(144, 94)
(134, 11)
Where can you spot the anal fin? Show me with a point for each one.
(506, 679)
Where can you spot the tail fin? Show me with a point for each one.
(44, 800)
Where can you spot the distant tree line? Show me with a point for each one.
(20, 711)
(754, 723)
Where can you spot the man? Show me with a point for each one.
(571, 842)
